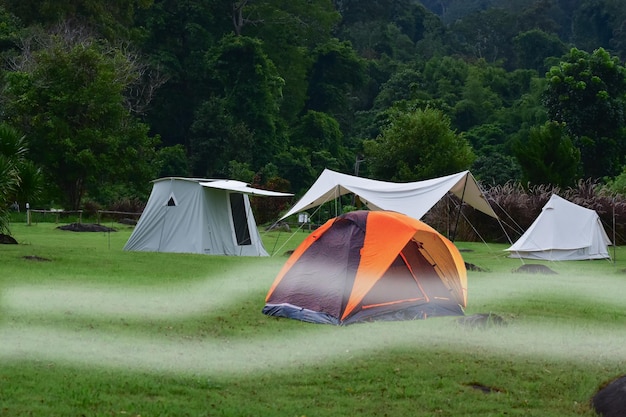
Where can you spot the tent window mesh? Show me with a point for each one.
(240, 220)
(171, 202)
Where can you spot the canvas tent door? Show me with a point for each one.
(370, 265)
(184, 216)
(563, 231)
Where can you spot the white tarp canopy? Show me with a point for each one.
(563, 231)
(194, 215)
(412, 198)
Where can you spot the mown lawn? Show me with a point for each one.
(88, 329)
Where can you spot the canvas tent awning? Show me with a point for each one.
(412, 198)
(563, 231)
(241, 187)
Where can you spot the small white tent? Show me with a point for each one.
(411, 198)
(563, 231)
(192, 215)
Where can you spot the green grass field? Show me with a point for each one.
(87, 329)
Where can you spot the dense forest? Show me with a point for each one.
(98, 98)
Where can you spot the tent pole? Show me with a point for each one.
(614, 243)
(458, 215)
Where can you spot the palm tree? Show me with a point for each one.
(19, 178)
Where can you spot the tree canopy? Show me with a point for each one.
(108, 96)
(416, 145)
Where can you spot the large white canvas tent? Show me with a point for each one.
(411, 198)
(192, 215)
(563, 231)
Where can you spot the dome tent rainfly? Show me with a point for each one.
(370, 265)
(194, 215)
(563, 231)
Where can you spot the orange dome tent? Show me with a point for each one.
(370, 265)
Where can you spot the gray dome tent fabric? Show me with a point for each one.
(563, 231)
(193, 215)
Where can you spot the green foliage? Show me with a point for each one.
(240, 171)
(535, 46)
(548, 156)
(317, 131)
(20, 180)
(496, 168)
(404, 84)
(10, 29)
(488, 34)
(478, 102)
(178, 35)
(70, 101)
(587, 92)
(417, 145)
(444, 77)
(218, 137)
(298, 26)
(31, 184)
(8, 184)
(112, 20)
(246, 82)
(295, 165)
(336, 74)
(173, 162)
(493, 164)
(239, 81)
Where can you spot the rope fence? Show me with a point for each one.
(56, 213)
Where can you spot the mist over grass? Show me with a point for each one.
(93, 311)
(596, 329)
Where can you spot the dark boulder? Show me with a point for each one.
(610, 400)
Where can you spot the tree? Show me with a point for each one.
(218, 137)
(179, 34)
(172, 162)
(69, 98)
(548, 157)
(319, 135)
(592, 24)
(587, 92)
(445, 77)
(478, 103)
(250, 90)
(318, 131)
(493, 164)
(416, 145)
(295, 165)
(20, 181)
(289, 30)
(112, 19)
(334, 78)
(487, 34)
(533, 47)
